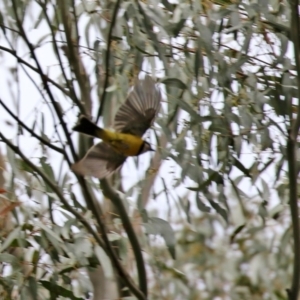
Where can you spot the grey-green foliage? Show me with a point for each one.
(226, 73)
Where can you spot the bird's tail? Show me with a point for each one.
(87, 127)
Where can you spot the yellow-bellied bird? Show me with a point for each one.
(132, 120)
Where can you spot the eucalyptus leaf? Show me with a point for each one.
(105, 262)
(157, 226)
(13, 235)
(8, 258)
(57, 290)
(201, 205)
(174, 82)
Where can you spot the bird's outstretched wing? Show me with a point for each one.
(137, 114)
(100, 161)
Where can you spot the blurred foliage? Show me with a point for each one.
(227, 74)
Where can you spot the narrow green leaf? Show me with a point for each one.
(246, 119)
(241, 167)
(2, 23)
(219, 209)
(279, 167)
(266, 140)
(157, 226)
(8, 258)
(206, 37)
(238, 145)
(59, 290)
(176, 28)
(47, 169)
(236, 232)
(265, 190)
(174, 82)
(213, 176)
(105, 262)
(247, 40)
(234, 18)
(266, 165)
(198, 61)
(14, 235)
(186, 205)
(169, 6)
(33, 287)
(12, 160)
(201, 205)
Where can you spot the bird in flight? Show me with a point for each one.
(132, 120)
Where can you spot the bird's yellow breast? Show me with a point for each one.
(126, 144)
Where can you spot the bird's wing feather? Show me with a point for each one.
(100, 161)
(137, 114)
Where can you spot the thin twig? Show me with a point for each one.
(66, 156)
(68, 82)
(8, 28)
(24, 62)
(42, 140)
(23, 66)
(45, 82)
(107, 59)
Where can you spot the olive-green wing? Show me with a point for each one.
(100, 161)
(137, 114)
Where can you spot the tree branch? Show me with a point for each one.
(72, 53)
(45, 82)
(295, 31)
(70, 86)
(291, 156)
(114, 197)
(107, 59)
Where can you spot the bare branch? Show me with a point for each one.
(42, 140)
(45, 82)
(291, 156)
(295, 31)
(107, 59)
(22, 61)
(68, 82)
(75, 61)
(114, 197)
